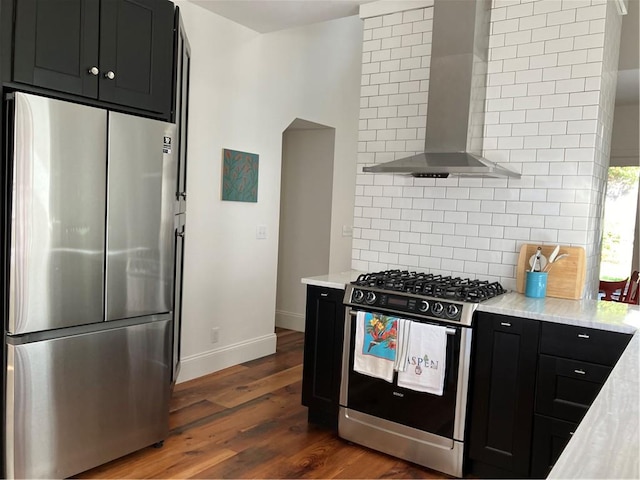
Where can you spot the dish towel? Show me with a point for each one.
(404, 328)
(426, 359)
(375, 345)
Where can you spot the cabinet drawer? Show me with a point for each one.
(588, 344)
(550, 436)
(566, 388)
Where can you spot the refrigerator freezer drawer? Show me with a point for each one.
(59, 200)
(76, 402)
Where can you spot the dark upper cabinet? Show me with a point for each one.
(323, 338)
(116, 51)
(504, 378)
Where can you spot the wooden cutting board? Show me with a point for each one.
(566, 278)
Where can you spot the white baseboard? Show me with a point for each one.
(194, 366)
(290, 320)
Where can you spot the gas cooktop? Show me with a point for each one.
(423, 295)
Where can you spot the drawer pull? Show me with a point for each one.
(580, 372)
(505, 324)
(583, 335)
(324, 294)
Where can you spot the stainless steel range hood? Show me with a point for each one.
(457, 84)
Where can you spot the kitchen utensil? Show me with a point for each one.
(554, 254)
(538, 262)
(551, 264)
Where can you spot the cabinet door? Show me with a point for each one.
(323, 338)
(136, 45)
(56, 45)
(550, 436)
(504, 376)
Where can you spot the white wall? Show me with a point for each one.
(305, 218)
(245, 89)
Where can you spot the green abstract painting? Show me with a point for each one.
(239, 176)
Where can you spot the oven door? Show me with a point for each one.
(439, 415)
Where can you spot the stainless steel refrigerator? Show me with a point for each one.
(89, 335)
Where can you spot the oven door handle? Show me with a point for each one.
(450, 330)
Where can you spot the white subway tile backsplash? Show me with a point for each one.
(390, 43)
(544, 119)
(546, 6)
(534, 21)
(562, 17)
(504, 26)
(593, 40)
(593, 69)
(568, 113)
(423, 26)
(559, 45)
(556, 73)
(526, 103)
(591, 13)
(532, 49)
(517, 38)
(574, 29)
(479, 243)
(545, 235)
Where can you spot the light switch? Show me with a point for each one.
(261, 232)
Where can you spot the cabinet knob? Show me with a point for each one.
(94, 71)
(110, 75)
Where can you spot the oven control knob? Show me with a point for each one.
(424, 306)
(358, 296)
(437, 308)
(371, 298)
(452, 310)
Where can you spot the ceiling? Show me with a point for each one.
(266, 16)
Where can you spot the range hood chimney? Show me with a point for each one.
(457, 84)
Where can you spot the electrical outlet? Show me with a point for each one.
(261, 232)
(215, 334)
(347, 231)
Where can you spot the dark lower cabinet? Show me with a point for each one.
(504, 378)
(323, 338)
(550, 436)
(117, 51)
(532, 383)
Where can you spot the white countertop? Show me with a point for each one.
(607, 441)
(612, 316)
(333, 280)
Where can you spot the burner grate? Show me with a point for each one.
(431, 285)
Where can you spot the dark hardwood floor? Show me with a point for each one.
(247, 422)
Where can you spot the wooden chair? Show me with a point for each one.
(630, 293)
(612, 290)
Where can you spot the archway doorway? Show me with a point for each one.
(305, 215)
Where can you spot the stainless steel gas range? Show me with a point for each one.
(423, 428)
